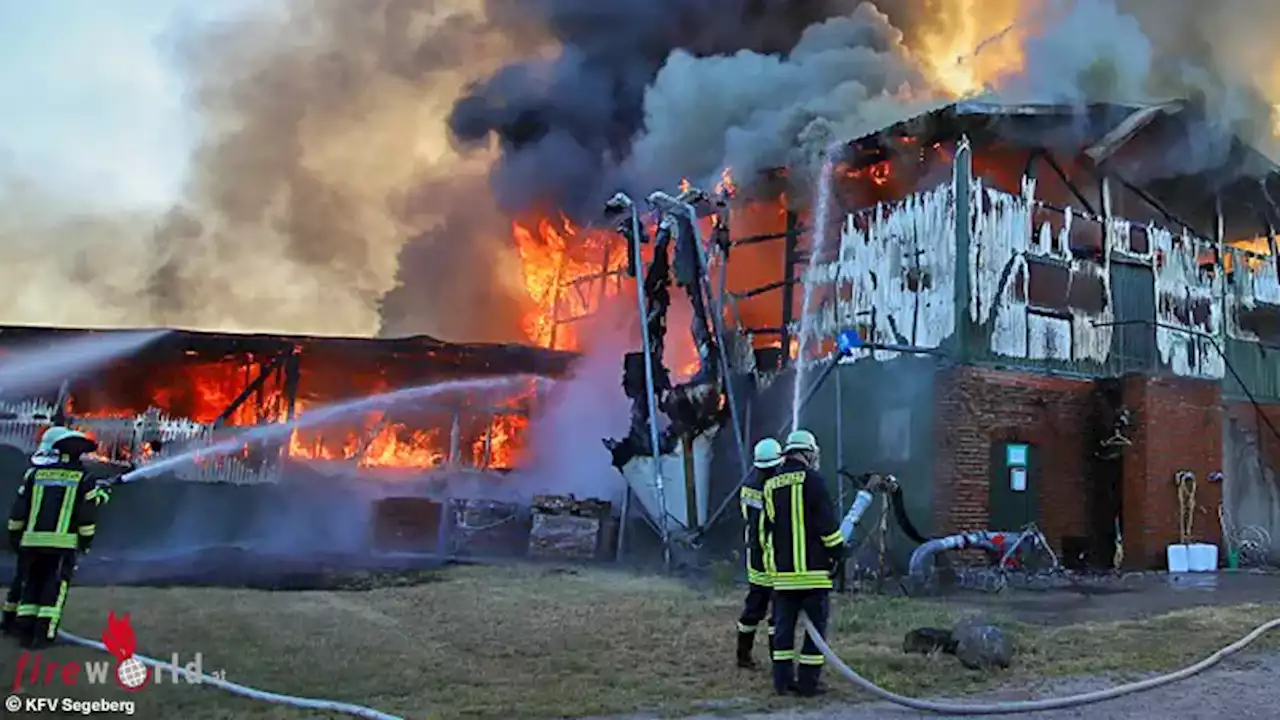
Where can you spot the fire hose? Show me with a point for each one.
(1008, 708)
(237, 689)
(1029, 706)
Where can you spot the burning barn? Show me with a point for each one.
(191, 390)
(1091, 293)
(193, 387)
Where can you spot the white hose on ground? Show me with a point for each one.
(306, 703)
(1027, 706)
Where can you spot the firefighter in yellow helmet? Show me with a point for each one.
(805, 548)
(51, 520)
(768, 457)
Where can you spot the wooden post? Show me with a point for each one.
(455, 437)
(488, 442)
(291, 378)
(690, 482)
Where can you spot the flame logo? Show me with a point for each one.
(118, 637)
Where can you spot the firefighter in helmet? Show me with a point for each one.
(768, 456)
(805, 548)
(51, 521)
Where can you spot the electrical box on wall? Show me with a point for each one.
(1016, 458)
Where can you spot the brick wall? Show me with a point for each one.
(1178, 426)
(980, 406)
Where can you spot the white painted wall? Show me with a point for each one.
(875, 258)
(1182, 344)
(915, 236)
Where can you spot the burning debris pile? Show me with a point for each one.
(194, 389)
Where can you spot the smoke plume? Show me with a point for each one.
(361, 162)
(325, 149)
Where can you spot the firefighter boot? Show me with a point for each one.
(784, 677)
(807, 684)
(746, 640)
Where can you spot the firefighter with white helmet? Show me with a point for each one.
(805, 547)
(51, 521)
(767, 458)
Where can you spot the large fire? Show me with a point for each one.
(975, 43)
(202, 390)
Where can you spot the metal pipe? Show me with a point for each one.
(995, 541)
(622, 520)
(658, 484)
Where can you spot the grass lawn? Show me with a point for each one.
(531, 642)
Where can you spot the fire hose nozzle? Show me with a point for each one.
(620, 202)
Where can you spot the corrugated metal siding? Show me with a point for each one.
(1133, 338)
(1257, 366)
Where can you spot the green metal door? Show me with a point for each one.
(1013, 499)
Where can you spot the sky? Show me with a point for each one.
(90, 103)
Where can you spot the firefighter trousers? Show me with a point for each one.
(754, 609)
(9, 610)
(787, 605)
(45, 576)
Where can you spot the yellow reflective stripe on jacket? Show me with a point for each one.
(797, 527)
(37, 495)
(16, 525)
(87, 530)
(65, 511)
(810, 580)
(758, 577)
(834, 539)
(56, 541)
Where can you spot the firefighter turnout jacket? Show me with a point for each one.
(751, 499)
(802, 532)
(56, 509)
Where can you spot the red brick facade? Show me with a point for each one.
(1177, 426)
(977, 407)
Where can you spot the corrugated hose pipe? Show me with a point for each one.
(276, 698)
(1028, 706)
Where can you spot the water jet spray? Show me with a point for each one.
(35, 367)
(322, 415)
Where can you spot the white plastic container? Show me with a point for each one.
(1179, 558)
(1203, 557)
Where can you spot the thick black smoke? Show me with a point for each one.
(565, 124)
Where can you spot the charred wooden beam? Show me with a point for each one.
(1062, 175)
(251, 388)
(1155, 204)
(756, 239)
(762, 289)
(291, 378)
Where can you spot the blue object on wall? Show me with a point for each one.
(848, 341)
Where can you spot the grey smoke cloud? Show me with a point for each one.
(750, 111)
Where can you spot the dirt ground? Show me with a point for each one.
(527, 641)
(1239, 689)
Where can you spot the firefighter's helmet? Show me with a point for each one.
(801, 441)
(768, 453)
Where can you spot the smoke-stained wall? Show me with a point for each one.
(874, 416)
(1251, 488)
